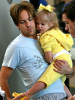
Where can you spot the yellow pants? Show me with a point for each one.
(50, 76)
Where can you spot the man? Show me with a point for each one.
(68, 16)
(25, 54)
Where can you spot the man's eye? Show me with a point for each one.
(31, 18)
(22, 22)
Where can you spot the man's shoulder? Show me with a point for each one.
(15, 43)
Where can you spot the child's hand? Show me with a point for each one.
(20, 96)
(27, 94)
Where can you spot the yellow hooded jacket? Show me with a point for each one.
(55, 40)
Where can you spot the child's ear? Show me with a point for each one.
(52, 23)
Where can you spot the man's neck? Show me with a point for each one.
(30, 36)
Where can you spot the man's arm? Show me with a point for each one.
(63, 67)
(5, 75)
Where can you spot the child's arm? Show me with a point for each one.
(38, 86)
(48, 56)
(68, 93)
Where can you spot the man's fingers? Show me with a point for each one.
(57, 67)
(58, 62)
(63, 61)
(57, 71)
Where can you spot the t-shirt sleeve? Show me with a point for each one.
(11, 57)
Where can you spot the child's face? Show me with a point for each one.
(42, 25)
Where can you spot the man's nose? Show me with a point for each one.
(27, 23)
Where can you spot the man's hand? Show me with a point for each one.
(62, 67)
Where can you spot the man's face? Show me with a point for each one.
(69, 25)
(27, 25)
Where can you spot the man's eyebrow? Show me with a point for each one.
(22, 20)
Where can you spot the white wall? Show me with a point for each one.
(8, 31)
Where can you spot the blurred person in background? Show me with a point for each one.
(68, 16)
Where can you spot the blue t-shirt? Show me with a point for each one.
(26, 55)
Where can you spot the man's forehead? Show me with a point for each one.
(24, 14)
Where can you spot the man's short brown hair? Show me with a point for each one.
(16, 9)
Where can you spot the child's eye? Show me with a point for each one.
(42, 24)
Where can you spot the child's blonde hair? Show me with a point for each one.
(51, 17)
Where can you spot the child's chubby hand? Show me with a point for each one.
(23, 97)
(27, 94)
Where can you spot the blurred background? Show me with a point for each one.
(8, 31)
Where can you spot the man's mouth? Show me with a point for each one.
(29, 29)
